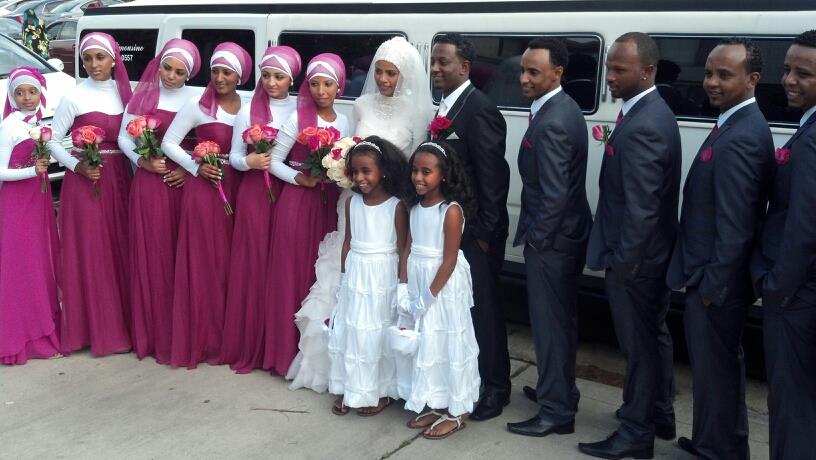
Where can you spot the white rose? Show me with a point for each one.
(34, 133)
(326, 161)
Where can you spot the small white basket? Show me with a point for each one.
(404, 341)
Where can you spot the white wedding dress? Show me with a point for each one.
(401, 120)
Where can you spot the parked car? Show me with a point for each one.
(13, 54)
(10, 6)
(62, 42)
(40, 7)
(74, 8)
(11, 28)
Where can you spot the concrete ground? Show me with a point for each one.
(121, 408)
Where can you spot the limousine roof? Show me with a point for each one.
(449, 6)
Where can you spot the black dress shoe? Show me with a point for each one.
(530, 393)
(489, 406)
(615, 447)
(539, 427)
(665, 431)
(686, 444)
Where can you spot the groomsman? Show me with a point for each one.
(554, 227)
(784, 268)
(724, 202)
(478, 134)
(633, 237)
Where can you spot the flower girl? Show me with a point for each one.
(362, 368)
(445, 375)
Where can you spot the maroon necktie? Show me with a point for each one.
(620, 117)
(713, 132)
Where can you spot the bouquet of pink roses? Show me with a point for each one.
(41, 135)
(319, 141)
(87, 140)
(207, 152)
(143, 128)
(262, 138)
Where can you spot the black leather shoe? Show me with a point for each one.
(666, 431)
(615, 447)
(539, 427)
(530, 393)
(490, 406)
(686, 444)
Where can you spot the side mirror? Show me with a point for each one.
(57, 64)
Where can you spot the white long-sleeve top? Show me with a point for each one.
(170, 100)
(188, 117)
(287, 136)
(13, 130)
(281, 109)
(88, 96)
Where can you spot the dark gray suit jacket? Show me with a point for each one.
(784, 265)
(724, 201)
(552, 161)
(636, 219)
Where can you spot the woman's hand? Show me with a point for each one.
(154, 165)
(259, 160)
(308, 181)
(176, 177)
(210, 172)
(41, 166)
(93, 173)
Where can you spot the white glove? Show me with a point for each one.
(421, 304)
(403, 299)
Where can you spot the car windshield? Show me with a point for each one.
(67, 6)
(13, 55)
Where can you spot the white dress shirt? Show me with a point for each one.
(539, 103)
(806, 116)
(447, 102)
(727, 114)
(628, 104)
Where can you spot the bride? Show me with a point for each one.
(396, 105)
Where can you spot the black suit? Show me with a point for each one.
(554, 226)
(784, 267)
(481, 133)
(724, 202)
(632, 239)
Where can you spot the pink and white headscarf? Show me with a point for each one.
(327, 65)
(281, 58)
(230, 56)
(106, 43)
(24, 75)
(146, 95)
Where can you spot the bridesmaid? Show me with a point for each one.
(93, 206)
(155, 198)
(28, 231)
(205, 231)
(246, 301)
(302, 218)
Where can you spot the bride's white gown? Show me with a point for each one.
(374, 115)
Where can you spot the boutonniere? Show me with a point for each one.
(782, 156)
(440, 128)
(601, 134)
(706, 154)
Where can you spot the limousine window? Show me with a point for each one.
(681, 69)
(138, 48)
(357, 51)
(208, 39)
(498, 60)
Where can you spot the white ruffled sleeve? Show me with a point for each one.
(283, 144)
(238, 152)
(126, 143)
(187, 118)
(7, 144)
(60, 125)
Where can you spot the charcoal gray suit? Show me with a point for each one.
(632, 239)
(554, 226)
(724, 200)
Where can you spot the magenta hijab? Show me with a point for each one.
(145, 99)
(24, 75)
(280, 58)
(231, 56)
(106, 43)
(327, 65)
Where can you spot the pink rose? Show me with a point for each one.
(205, 148)
(337, 154)
(782, 156)
(707, 154)
(269, 133)
(136, 127)
(152, 122)
(99, 134)
(253, 134)
(598, 133)
(324, 136)
(609, 150)
(335, 135)
(306, 134)
(357, 139)
(45, 134)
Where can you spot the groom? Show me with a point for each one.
(477, 134)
